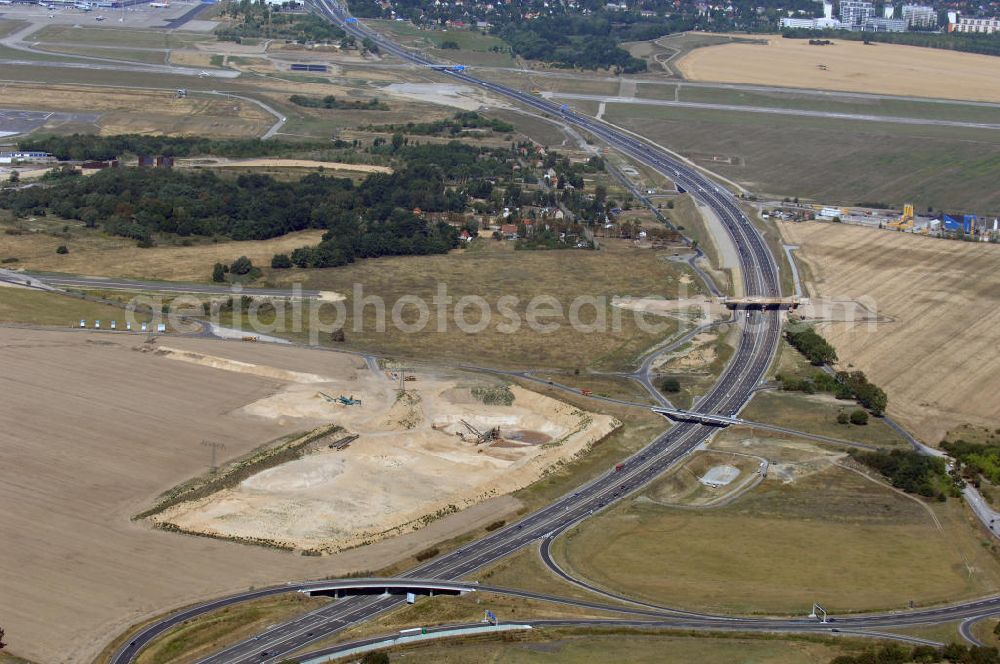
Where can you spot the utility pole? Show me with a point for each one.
(215, 448)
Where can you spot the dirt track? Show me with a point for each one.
(935, 351)
(93, 432)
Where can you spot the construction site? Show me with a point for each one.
(411, 447)
(951, 225)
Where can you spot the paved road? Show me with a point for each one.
(109, 283)
(446, 631)
(16, 41)
(759, 334)
(758, 339)
(742, 108)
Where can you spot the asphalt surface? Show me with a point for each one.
(443, 631)
(743, 108)
(109, 283)
(759, 336)
(758, 341)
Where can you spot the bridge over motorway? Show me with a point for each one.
(769, 303)
(338, 589)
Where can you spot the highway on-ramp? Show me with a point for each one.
(759, 336)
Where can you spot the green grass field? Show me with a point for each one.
(493, 269)
(799, 100)
(8, 26)
(566, 646)
(831, 537)
(817, 413)
(108, 52)
(832, 161)
(31, 307)
(120, 37)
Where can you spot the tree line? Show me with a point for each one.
(893, 653)
(808, 342)
(952, 41)
(912, 472)
(572, 40)
(139, 203)
(79, 147)
(454, 126)
(976, 459)
(331, 102)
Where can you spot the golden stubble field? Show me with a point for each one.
(93, 432)
(935, 356)
(851, 66)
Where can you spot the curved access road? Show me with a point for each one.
(759, 336)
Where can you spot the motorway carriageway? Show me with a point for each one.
(760, 333)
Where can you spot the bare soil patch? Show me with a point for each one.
(415, 459)
(93, 432)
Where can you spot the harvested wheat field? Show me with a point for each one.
(850, 66)
(415, 457)
(95, 430)
(933, 349)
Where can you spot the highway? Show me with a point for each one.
(758, 340)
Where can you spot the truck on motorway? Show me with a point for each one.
(413, 630)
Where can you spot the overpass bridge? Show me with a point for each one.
(694, 416)
(769, 303)
(346, 587)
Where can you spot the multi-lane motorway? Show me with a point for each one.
(759, 337)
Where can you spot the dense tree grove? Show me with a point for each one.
(910, 471)
(380, 216)
(818, 382)
(574, 40)
(976, 459)
(868, 395)
(808, 342)
(454, 126)
(256, 19)
(90, 146)
(331, 102)
(953, 653)
(370, 219)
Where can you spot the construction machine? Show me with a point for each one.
(905, 221)
(480, 437)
